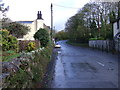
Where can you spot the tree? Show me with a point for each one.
(3, 10)
(16, 29)
(43, 36)
(93, 28)
(61, 35)
(93, 19)
(71, 27)
(112, 16)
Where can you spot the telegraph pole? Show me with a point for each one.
(119, 9)
(51, 19)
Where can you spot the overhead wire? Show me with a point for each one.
(65, 6)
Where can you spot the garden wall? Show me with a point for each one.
(108, 45)
(26, 71)
(24, 43)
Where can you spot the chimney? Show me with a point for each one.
(39, 15)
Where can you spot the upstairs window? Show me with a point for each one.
(118, 36)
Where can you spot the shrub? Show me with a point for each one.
(9, 42)
(31, 46)
(19, 79)
(99, 38)
(93, 39)
(4, 32)
(13, 42)
(16, 29)
(0, 40)
(32, 71)
(61, 35)
(43, 36)
(10, 52)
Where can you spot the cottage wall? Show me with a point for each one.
(34, 27)
(40, 24)
(30, 34)
(115, 29)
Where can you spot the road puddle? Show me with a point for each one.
(59, 75)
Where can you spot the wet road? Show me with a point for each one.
(78, 67)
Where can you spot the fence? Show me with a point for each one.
(106, 45)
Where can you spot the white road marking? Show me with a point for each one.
(101, 64)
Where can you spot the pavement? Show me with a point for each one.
(78, 67)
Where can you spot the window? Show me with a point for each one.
(118, 36)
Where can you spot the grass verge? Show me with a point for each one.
(78, 44)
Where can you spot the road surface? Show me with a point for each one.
(78, 67)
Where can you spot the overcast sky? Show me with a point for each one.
(27, 10)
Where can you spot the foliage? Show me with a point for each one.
(93, 39)
(8, 55)
(78, 44)
(93, 28)
(112, 16)
(99, 38)
(10, 52)
(19, 79)
(92, 21)
(43, 36)
(31, 46)
(28, 45)
(61, 35)
(9, 42)
(109, 31)
(76, 29)
(32, 69)
(16, 29)
(3, 9)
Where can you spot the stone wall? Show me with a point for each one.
(23, 44)
(108, 45)
(27, 70)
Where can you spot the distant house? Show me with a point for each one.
(116, 28)
(34, 26)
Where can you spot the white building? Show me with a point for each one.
(34, 26)
(116, 27)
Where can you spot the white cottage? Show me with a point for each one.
(33, 25)
(116, 27)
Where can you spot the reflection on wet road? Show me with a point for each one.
(78, 67)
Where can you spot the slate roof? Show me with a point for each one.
(24, 21)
